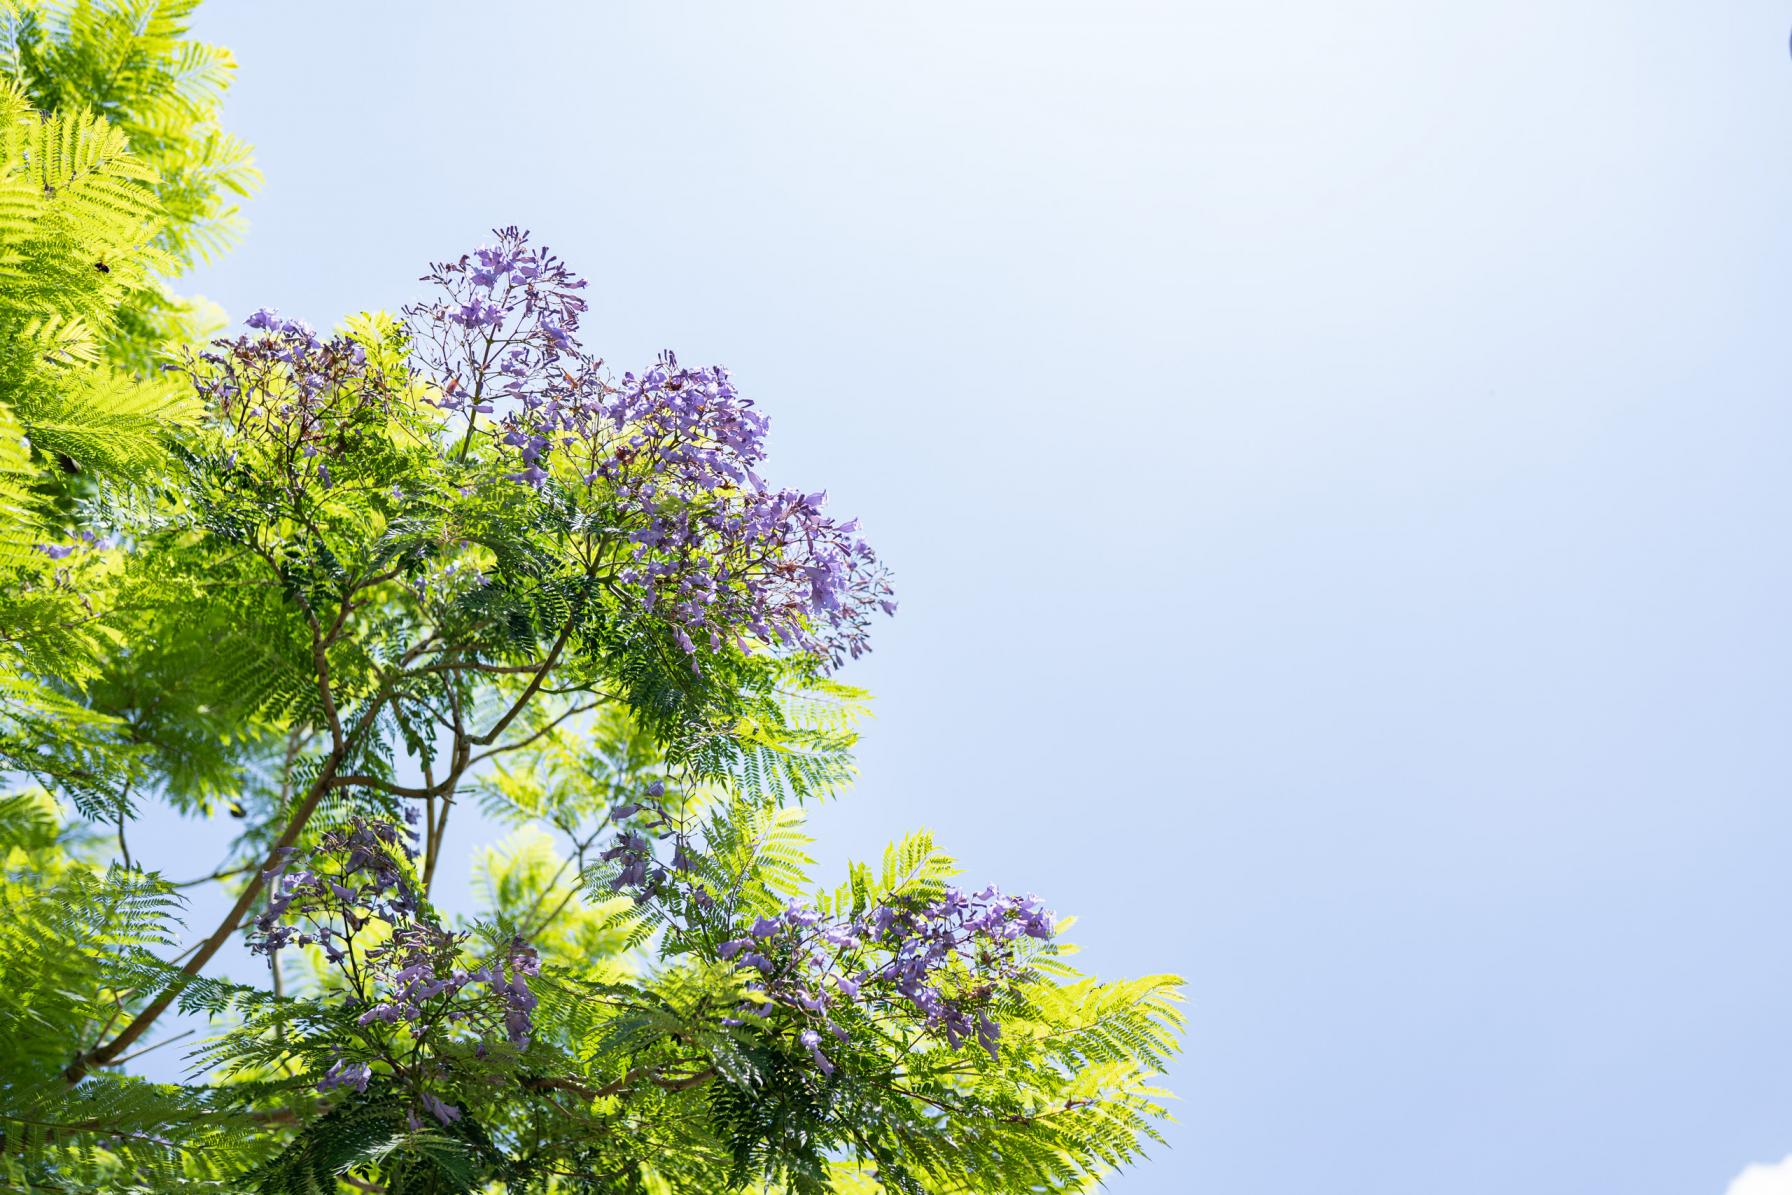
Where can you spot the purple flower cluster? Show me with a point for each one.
(359, 878)
(665, 461)
(84, 539)
(415, 981)
(343, 1073)
(943, 959)
(668, 457)
(289, 392)
(506, 316)
(417, 968)
(721, 561)
(633, 852)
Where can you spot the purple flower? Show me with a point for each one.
(446, 1113)
(801, 916)
(670, 453)
(943, 960)
(812, 1042)
(988, 1033)
(415, 975)
(345, 1074)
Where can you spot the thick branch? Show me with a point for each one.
(666, 1083)
(101, 1055)
(458, 765)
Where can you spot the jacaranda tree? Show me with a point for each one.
(340, 585)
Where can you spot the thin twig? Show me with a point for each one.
(146, 1049)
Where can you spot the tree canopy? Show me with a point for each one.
(341, 584)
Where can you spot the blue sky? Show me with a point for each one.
(1334, 461)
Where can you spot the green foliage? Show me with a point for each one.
(130, 63)
(88, 224)
(369, 1132)
(204, 612)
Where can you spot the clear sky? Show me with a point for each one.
(1334, 457)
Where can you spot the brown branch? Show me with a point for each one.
(55, 1130)
(672, 1083)
(445, 787)
(516, 744)
(457, 765)
(429, 811)
(146, 1049)
(101, 1055)
(547, 666)
(362, 780)
(477, 666)
(224, 874)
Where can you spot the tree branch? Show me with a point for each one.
(101, 1055)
